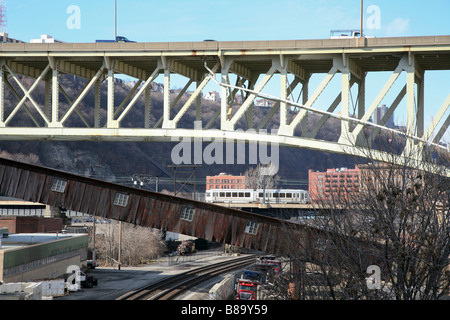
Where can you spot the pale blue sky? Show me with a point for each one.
(196, 20)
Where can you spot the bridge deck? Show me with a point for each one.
(370, 54)
(351, 43)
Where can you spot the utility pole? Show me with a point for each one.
(94, 256)
(120, 244)
(362, 18)
(115, 20)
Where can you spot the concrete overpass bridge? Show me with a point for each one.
(245, 68)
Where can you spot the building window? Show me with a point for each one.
(121, 199)
(187, 213)
(59, 185)
(251, 227)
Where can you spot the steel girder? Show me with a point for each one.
(253, 69)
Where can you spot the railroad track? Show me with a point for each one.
(171, 287)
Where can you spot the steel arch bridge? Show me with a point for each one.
(245, 69)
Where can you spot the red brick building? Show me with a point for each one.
(19, 224)
(225, 181)
(333, 184)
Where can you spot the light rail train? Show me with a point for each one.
(257, 196)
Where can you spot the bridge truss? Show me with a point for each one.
(245, 70)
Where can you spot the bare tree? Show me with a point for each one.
(261, 177)
(398, 223)
(30, 158)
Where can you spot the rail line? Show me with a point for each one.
(169, 288)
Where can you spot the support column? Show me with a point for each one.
(224, 116)
(198, 104)
(420, 104)
(48, 98)
(54, 117)
(97, 102)
(305, 96)
(166, 107)
(345, 99)
(110, 122)
(2, 94)
(411, 115)
(362, 96)
(250, 113)
(148, 106)
(283, 96)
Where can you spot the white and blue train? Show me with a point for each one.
(257, 196)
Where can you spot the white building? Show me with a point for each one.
(264, 103)
(212, 96)
(45, 38)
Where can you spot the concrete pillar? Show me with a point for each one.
(52, 212)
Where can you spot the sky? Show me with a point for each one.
(232, 20)
(196, 20)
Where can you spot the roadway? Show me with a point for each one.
(113, 283)
(140, 60)
(201, 47)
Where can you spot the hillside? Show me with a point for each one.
(109, 160)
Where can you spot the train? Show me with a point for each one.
(257, 196)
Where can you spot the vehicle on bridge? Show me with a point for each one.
(118, 39)
(257, 196)
(346, 34)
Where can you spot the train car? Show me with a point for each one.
(230, 196)
(282, 196)
(258, 196)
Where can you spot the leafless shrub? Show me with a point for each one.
(138, 244)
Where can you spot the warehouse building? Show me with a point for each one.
(37, 256)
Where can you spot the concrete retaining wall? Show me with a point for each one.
(21, 291)
(224, 290)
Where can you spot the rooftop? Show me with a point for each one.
(19, 240)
